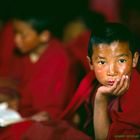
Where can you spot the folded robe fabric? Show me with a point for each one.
(82, 94)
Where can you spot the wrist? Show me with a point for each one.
(101, 98)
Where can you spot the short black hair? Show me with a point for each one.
(39, 23)
(110, 32)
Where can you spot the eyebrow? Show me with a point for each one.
(120, 55)
(100, 57)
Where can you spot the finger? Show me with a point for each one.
(114, 88)
(120, 85)
(125, 87)
(128, 82)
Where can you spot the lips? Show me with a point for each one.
(111, 82)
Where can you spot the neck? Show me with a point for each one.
(36, 53)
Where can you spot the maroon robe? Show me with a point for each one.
(7, 56)
(14, 132)
(55, 130)
(82, 94)
(6, 49)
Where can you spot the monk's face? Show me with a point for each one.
(26, 38)
(112, 61)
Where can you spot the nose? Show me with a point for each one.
(112, 71)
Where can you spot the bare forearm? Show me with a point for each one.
(101, 119)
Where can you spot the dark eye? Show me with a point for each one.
(101, 62)
(122, 60)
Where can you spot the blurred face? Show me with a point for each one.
(73, 30)
(26, 38)
(111, 62)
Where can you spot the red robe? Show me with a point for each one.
(55, 130)
(82, 94)
(6, 46)
(14, 132)
(48, 84)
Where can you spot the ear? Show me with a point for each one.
(45, 36)
(135, 59)
(90, 63)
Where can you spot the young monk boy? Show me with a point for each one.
(112, 54)
(39, 56)
(46, 75)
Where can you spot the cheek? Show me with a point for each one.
(100, 73)
(125, 69)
